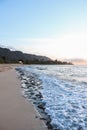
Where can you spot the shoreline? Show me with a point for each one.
(31, 89)
(16, 113)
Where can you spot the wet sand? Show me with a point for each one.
(16, 113)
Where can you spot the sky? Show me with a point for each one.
(54, 28)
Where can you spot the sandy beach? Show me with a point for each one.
(16, 113)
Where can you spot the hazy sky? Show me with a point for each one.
(55, 28)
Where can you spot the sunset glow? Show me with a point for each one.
(54, 28)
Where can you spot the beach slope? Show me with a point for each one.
(16, 113)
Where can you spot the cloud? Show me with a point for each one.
(69, 46)
(77, 61)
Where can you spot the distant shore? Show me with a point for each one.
(16, 113)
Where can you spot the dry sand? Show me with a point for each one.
(6, 67)
(16, 113)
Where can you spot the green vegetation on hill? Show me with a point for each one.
(8, 56)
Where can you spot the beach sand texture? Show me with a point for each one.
(16, 113)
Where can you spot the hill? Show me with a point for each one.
(8, 56)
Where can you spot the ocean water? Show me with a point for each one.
(64, 90)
